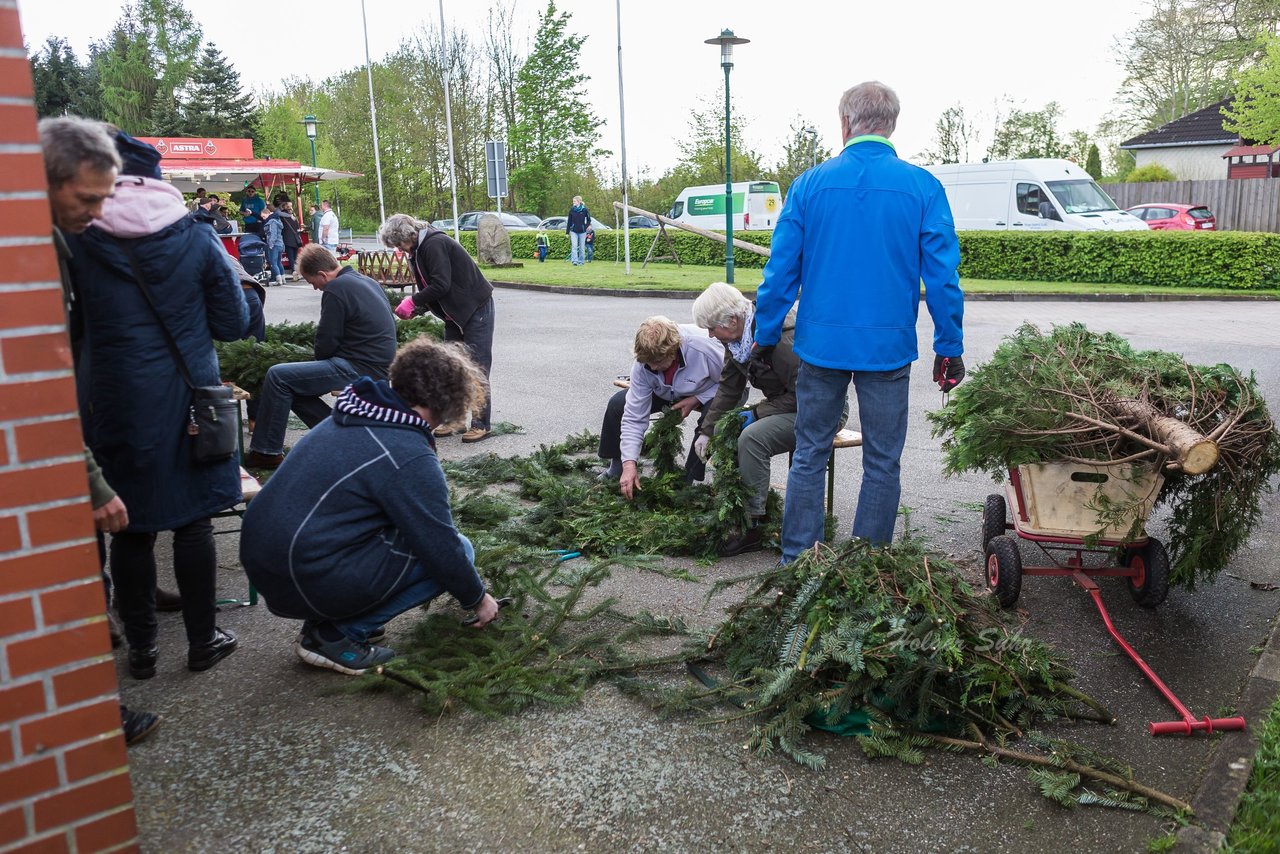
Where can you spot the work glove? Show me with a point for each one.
(761, 358)
(948, 371)
(405, 308)
(700, 447)
(748, 417)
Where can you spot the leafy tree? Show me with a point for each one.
(953, 134)
(1093, 163)
(62, 85)
(1183, 56)
(149, 54)
(556, 132)
(702, 148)
(1254, 112)
(1149, 173)
(216, 105)
(1023, 133)
(800, 151)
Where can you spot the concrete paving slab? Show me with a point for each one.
(264, 754)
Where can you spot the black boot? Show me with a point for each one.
(206, 655)
(142, 661)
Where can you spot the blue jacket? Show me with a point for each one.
(578, 221)
(858, 235)
(133, 401)
(359, 500)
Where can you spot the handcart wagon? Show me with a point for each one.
(1077, 510)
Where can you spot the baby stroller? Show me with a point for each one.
(253, 257)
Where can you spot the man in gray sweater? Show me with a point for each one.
(356, 337)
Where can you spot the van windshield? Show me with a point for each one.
(1081, 197)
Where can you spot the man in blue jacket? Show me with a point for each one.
(858, 235)
(355, 527)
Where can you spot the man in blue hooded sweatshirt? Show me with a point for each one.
(857, 237)
(355, 527)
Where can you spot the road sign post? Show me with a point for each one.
(495, 169)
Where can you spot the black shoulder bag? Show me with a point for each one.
(211, 418)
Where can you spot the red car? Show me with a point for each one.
(1169, 217)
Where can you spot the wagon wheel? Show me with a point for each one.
(1151, 585)
(993, 514)
(1004, 569)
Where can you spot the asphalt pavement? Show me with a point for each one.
(263, 754)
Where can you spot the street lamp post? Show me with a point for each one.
(813, 146)
(727, 40)
(309, 122)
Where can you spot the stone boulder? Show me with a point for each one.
(493, 244)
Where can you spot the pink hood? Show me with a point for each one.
(140, 206)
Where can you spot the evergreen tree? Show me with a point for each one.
(62, 85)
(555, 133)
(167, 118)
(1093, 163)
(216, 106)
(148, 54)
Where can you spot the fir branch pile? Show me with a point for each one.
(1073, 395)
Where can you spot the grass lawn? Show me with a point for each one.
(610, 275)
(1257, 823)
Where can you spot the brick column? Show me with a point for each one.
(64, 775)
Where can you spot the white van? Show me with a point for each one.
(1030, 195)
(756, 205)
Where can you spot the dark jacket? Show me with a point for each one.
(291, 236)
(357, 502)
(778, 385)
(356, 324)
(450, 285)
(578, 221)
(133, 402)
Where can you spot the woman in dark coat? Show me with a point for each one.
(134, 402)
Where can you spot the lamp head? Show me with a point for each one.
(727, 40)
(310, 122)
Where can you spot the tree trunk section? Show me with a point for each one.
(1195, 453)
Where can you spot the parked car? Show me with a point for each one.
(1170, 217)
(531, 220)
(642, 222)
(469, 221)
(556, 223)
(442, 224)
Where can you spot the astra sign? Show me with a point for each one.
(191, 148)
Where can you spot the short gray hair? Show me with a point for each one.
(870, 108)
(70, 142)
(719, 304)
(400, 229)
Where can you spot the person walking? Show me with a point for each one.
(451, 287)
(154, 287)
(576, 225)
(864, 229)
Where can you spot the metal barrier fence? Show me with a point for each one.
(1241, 204)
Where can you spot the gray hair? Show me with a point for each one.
(719, 304)
(70, 142)
(870, 108)
(400, 229)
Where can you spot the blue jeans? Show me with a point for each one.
(297, 386)
(418, 588)
(274, 254)
(577, 245)
(882, 416)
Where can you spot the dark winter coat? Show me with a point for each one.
(359, 500)
(777, 385)
(133, 401)
(450, 285)
(578, 221)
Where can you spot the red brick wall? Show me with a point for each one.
(64, 777)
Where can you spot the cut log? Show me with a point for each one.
(1194, 452)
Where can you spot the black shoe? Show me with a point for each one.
(206, 655)
(167, 600)
(256, 460)
(377, 635)
(137, 725)
(740, 542)
(142, 662)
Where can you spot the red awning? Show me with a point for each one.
(1246, 150)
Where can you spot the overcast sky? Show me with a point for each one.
(803, 54)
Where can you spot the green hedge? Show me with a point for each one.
(1224, 259)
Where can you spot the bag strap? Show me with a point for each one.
(146, 292)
